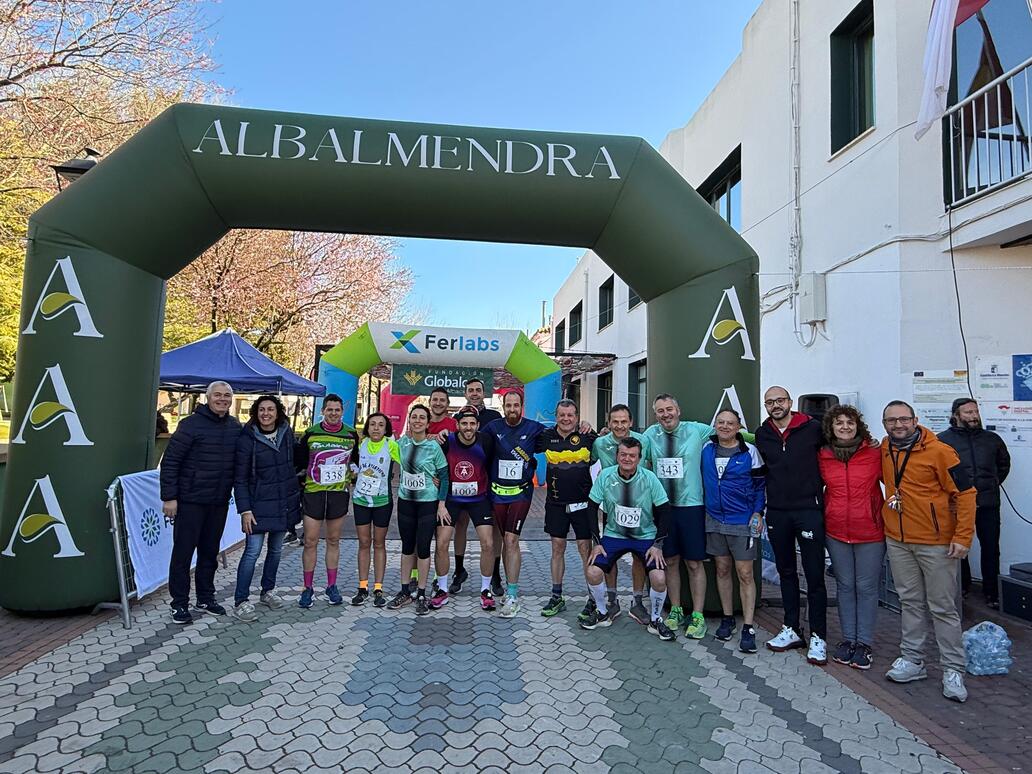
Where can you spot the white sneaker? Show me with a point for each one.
(271, 599)
(786, 639)
(245, 612)
(953, 685)
(510, 607)
(904, 671)
(818, 652)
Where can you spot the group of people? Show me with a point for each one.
(679, 492)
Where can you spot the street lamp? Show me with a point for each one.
(73, 169)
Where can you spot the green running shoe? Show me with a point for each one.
(589, 608)
(554, 606)
(675, 620)
(696, 628)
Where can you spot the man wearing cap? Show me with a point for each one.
(984, 456)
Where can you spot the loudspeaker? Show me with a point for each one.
(1016, 597)
(816, 404)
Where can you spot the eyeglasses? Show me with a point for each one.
(898, 420)
(777, 401)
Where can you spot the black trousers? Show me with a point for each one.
(987, 527)
(417, 524)
(198, 527)
(784, 530)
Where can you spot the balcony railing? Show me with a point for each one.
(989, 136)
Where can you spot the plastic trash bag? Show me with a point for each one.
(988, 649)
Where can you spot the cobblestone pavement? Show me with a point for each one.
(360, 689)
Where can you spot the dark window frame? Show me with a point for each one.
(633, 299)
(559, 337)
(720, 184)
(575, 324)
(603, 398)
(852, 49)
(637, 392)
(606, 302)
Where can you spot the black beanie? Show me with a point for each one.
(961, 402)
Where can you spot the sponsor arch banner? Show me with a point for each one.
(400, 345)
(100, 252)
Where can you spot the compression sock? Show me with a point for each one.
(364, 584)
(331, 576)
(309, 579)
(459, 559)
(485, 583)
(658, 598)
(598, 593)
(557, 589)
(513, 590)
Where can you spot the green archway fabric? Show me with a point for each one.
(99, 253)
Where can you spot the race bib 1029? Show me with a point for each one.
(627, 517)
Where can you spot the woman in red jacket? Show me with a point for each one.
(850, 465)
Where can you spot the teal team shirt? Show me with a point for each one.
(421, 462)
(676, 459)
(604, 449)
(628, 502)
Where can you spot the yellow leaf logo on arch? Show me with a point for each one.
(725, 329)
(33, 525)
(55, 303)
(46, 412)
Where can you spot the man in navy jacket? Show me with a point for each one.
(196, 482)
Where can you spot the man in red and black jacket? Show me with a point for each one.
(789, 442)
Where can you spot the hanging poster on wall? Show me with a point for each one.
(1011, 420)
(934, 393)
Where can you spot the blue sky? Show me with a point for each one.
(636, 68)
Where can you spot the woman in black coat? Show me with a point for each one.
(267, 497)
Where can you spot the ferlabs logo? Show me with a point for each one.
(404, 340)
(724, 330)
(54, 303)
(34, 523)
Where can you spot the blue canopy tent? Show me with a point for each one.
(227, 357)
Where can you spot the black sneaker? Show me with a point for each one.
(422, 608)
(595, 620)
(360, 597)
(291, 539)
(457, 580)
(748, 641)
(726, 629)
(589, 608)
(379, 600)
(843, 653)
(181, 615)
(554, 606)
(214, 608)
(497, 589)
(401, 599)
(661, 630)
(862, 657)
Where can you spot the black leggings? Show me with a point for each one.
(784, 530)
(417, 522)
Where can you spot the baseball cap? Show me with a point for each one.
(466, 411)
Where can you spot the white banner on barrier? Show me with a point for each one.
(150, 531)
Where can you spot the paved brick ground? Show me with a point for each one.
(333, 689)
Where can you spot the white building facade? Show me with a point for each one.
(867, 237)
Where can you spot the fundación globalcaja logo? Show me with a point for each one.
(460, 343)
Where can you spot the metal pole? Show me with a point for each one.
(116, 538)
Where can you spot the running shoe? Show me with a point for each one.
(661, 630)
(748, 642)
(554, 606)
(458, 579)
(676, 618)
(953, 685)
(497, 588)
(786, 639)
(596, 620)
(613, 608)
(422, 608)
(181, 615)
(726, 629)
(291, 539)
(862, 657)
(510, 607)
(589, 608)
(439, 599)
(333, 595)
(271, 600)
(307, 598)
(487, 601)
(245, 612)
(360, 598)
(843, 652)
(904, 671)
(696, 628)
(817, 654)
(639, 614)
(213, 608)
(379, 600)
(399, 601)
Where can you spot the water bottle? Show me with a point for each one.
(988, 649)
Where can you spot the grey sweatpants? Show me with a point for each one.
(927, 581)
(858, 569)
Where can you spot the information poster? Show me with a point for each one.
(993, 380)
(934, 393)
(1011, 420)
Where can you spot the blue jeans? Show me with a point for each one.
(252, 550)
(858, 568)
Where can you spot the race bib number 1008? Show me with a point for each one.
(413, 481)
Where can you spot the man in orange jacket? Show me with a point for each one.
(929, 517)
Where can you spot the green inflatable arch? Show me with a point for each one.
(99, 255)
